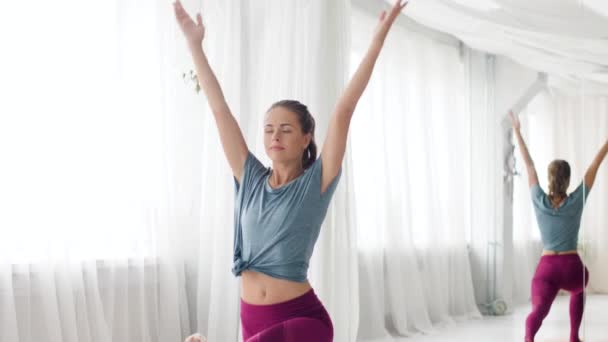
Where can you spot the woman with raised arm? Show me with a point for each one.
(559, 217)
(279, 210)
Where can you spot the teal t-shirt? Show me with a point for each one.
(275, 230)
(559, 227)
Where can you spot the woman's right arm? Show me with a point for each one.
(532, 176)
(595, 165)
(231, 137)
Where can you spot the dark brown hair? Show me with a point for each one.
(307, 123)
(559, 179)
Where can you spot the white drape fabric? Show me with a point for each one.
(410, 141)
(90, 216)
(565, 38)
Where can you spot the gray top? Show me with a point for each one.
(559, 226)
(275, 230)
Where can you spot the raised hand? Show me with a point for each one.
(193, 31)
(514, 121)
(387, 19)
(532, 175)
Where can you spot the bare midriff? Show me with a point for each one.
(261, 289)
(547, 252)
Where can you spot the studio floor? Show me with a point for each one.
(509, 328)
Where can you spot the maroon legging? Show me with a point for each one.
(555, 272)
(301, 319)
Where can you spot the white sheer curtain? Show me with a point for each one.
(411, 166)
(526, 236)
(594, 235)
(571, 126)
(262, 52)
(91, 174)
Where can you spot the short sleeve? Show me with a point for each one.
(253, 170)
(537, 193)
(582, 191)
(317, 177)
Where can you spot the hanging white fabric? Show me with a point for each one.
(90, 228)
(564, 38)
(409, 133)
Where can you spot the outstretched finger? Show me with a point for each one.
(177, 9)
(183, 17)
(397, 5)
(178, 6)
(396, 10)
(199, 19)
(180, 12)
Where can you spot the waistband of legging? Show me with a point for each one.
(560, 256)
